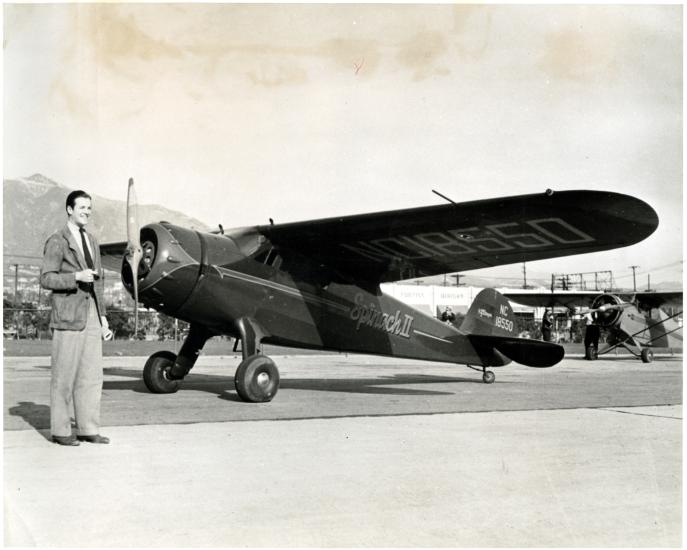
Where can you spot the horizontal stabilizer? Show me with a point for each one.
(531, 353)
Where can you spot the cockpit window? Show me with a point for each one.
(269, 257)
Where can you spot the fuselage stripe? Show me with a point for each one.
(432, 336)
(281, 288)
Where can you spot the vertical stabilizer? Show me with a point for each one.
(490, 315)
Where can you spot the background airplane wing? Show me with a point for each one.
(552, 299)
(660, 298)
(418, 242)
(650, 299)
(111, 255)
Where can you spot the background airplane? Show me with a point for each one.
(316, 284)
(632, 320)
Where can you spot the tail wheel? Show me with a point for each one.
(155, 372)
(257, 379)
(591, 353)
(488, 377)
(647, 355)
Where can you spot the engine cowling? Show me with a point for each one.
(609, 310)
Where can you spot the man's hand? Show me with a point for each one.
(86, 276)
(107, 333)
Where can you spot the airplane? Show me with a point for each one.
(315, 284)
(632, 320)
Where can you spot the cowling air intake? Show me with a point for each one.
(490, 326)
(607, 309)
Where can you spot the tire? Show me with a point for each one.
(257, 379)
(154, 373)
(591, 353)
(488, 377)
(647, 355)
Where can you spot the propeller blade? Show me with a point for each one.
(605, 307)
(134, 251)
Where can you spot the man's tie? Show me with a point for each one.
(86, 252)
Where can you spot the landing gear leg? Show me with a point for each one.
(257, 377)
(164, 369)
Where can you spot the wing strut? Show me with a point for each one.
(611, 348)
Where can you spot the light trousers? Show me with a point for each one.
(77, 377)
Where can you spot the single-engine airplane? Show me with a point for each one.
(316, 284)
(632, 320)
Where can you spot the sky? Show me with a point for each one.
(235, 114)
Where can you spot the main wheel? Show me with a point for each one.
(488, 377)
(155, 372)
(647, 355)
(591, 353)
(257, 379)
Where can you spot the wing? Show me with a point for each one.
(404, 244)
(585, 298)
(551, 299)
(111, 255)
(658, 299)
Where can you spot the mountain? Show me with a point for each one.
(33, 208)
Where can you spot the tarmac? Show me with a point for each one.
(355, 451)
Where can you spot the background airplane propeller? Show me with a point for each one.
(134, 251)
(605, 308)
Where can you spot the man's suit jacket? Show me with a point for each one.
(70, 299)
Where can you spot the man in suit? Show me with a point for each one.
(72, 270)
(546, 325)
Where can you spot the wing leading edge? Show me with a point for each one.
(418, 242)
(111, 255)
(649, 299)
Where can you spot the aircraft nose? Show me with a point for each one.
(169, 266)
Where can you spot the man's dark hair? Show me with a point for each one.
(71, 198)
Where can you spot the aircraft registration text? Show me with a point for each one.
(500, 237)
(505, 324)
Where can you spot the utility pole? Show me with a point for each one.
(524, 275)
(634, 280)
(16, 302)
(457, 277)
(648, 281)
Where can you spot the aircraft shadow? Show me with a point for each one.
(220, 384)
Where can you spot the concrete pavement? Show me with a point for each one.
(603, 475)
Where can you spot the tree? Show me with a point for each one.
(121, 322)
(165, 330)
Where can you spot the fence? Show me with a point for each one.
(34, 323)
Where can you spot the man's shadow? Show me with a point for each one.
(38, 416)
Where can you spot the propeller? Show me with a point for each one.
(134, 252)
(606, 307)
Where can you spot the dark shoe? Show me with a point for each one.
(94, 438)
(65, 440)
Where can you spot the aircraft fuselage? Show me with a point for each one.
(219, 280)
